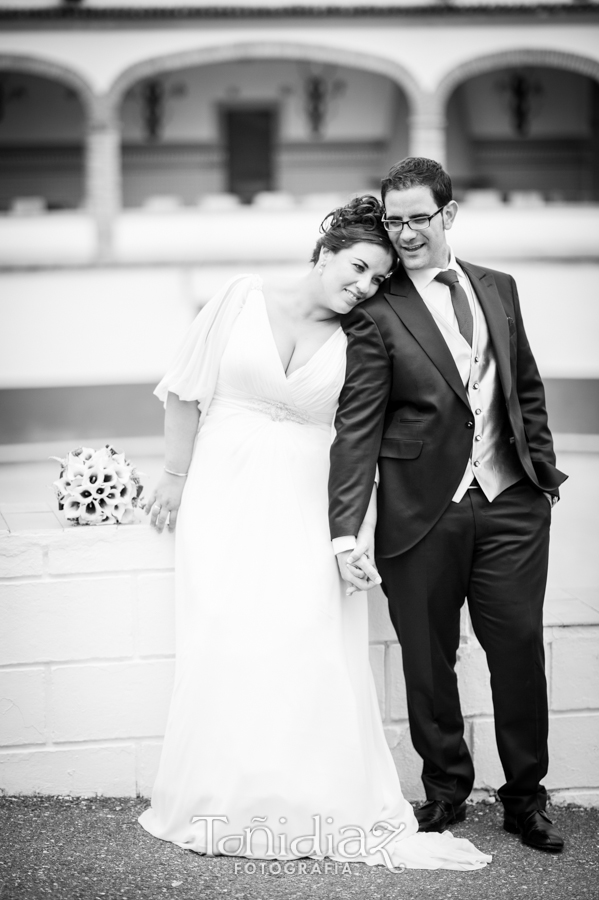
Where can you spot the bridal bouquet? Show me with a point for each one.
(98, 487)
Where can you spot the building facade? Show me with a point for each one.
(148, 149)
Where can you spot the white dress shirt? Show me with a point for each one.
(437, 298)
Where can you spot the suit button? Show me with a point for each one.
(469, 424)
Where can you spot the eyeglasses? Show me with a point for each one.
(418, 223)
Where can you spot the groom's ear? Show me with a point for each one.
(449, 214)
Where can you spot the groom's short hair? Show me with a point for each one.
(415, 170)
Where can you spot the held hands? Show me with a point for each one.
(163, 503)
(356, 566)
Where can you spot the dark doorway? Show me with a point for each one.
(249, 140)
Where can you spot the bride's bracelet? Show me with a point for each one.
(178, 474)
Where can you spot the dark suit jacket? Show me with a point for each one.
(404, 405)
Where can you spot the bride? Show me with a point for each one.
(274, 745)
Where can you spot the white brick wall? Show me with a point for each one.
(87, 661)
(103, 701)
(575, 670)
(22, 706)
(96, 617)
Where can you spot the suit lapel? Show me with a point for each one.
(407, 303)
(485, 289)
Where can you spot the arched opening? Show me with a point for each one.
(42, 132)
(526, 131)
(243, 127)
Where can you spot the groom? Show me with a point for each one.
(442, 390)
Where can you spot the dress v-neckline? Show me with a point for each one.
(276, 349)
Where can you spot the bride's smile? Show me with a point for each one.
(352, 275)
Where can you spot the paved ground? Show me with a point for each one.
(74, 849)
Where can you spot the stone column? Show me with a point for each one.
(103, 173)
(428, 132)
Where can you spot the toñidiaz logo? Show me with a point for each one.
(351, 843)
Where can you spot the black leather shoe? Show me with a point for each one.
(537, 830)
(436, 815)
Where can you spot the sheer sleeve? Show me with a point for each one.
(193, 372)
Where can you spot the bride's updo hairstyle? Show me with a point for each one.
(359, 220)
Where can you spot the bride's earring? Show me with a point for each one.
(321, 268)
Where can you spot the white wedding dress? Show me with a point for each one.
(274, 712)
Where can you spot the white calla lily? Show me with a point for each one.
(118, 511)
(72, 508)
(91, 513)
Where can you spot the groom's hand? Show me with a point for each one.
(360, 568)
(357, 570)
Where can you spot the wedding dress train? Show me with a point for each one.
(274, 724)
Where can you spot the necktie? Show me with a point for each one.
(459, 301)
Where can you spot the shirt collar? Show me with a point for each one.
(421, 278)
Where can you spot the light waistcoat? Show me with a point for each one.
(493, 461)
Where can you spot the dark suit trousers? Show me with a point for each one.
(495, 555)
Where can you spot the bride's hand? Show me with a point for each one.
(364, 542)
(365, 573)
(361, 560)
(356, 566)
(354, 576)
(164, 501)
